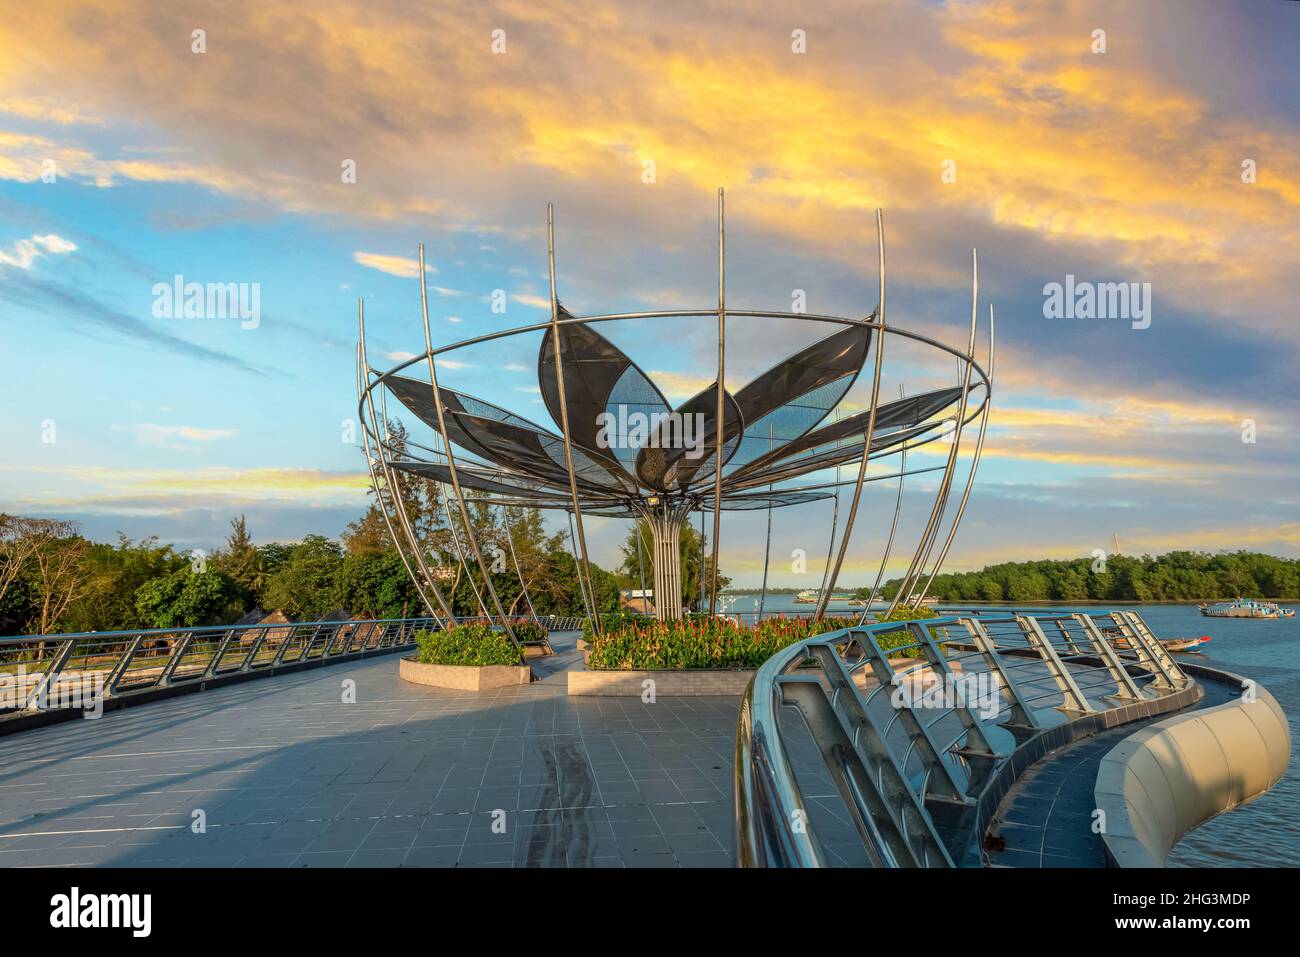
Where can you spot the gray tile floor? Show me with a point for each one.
(288, 775)
(1046, 818)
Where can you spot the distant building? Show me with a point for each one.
(638, 600)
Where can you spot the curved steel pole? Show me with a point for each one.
(460, 556)
(451, 459)
(722, 365)
(970, 479)
(640, 563)
(704, 591)
(582, 592)
(383, 509)
(407, 524)
(835, 520)
(584, 571)
(951, 470)
(767, 548)
(893, 527)
(390, 481)
(510, 540)
(871, 425)
(923, 547)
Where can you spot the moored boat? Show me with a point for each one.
(1245, 608)
(1170, 644)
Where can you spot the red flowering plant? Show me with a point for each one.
(639, 643)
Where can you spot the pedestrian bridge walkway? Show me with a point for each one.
(284, 773)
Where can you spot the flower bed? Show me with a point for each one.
(527, 630)
(469, 644)
(636, 642)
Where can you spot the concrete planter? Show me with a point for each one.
(684, 683)
(463, 677)
(699, 682)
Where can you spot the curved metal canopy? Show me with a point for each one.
(631, 448)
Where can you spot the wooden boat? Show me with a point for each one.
(1170, 644)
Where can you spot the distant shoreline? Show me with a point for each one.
(1046, 601)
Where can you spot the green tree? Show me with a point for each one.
(375, 585)
(305, 585)
(116, 572)
(240, 559)
(185, 598)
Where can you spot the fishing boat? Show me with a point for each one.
(1245, 608)
(809, 596)
(1170, 644)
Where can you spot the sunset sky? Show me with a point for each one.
(225, 166)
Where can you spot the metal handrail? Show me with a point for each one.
(81, 670)
(893, 764)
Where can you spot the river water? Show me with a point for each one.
(1265, 833)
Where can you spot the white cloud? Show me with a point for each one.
(24, 253)
(537, 302)
(402, 266)
(148, 433)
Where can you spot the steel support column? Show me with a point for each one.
(584, 572)
(871, 424)
(451, 459)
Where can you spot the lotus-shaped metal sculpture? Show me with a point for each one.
(617, 447)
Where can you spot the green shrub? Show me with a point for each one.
(526, 629)
(470, 644)
(908, 613)
(615, 621)
(644, 643)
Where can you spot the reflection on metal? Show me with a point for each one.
(584, 378)
(470, 537)
(871, 422)
(920, 774)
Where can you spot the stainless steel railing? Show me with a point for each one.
(916, 724)
(45, 672)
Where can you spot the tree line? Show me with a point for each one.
(1174, 576)
(53, 579)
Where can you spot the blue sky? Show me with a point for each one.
(224, 167)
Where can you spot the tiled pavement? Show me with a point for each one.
(288, 775)
(1047, 817)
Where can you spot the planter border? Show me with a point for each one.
(463, 677)
(668, 682)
